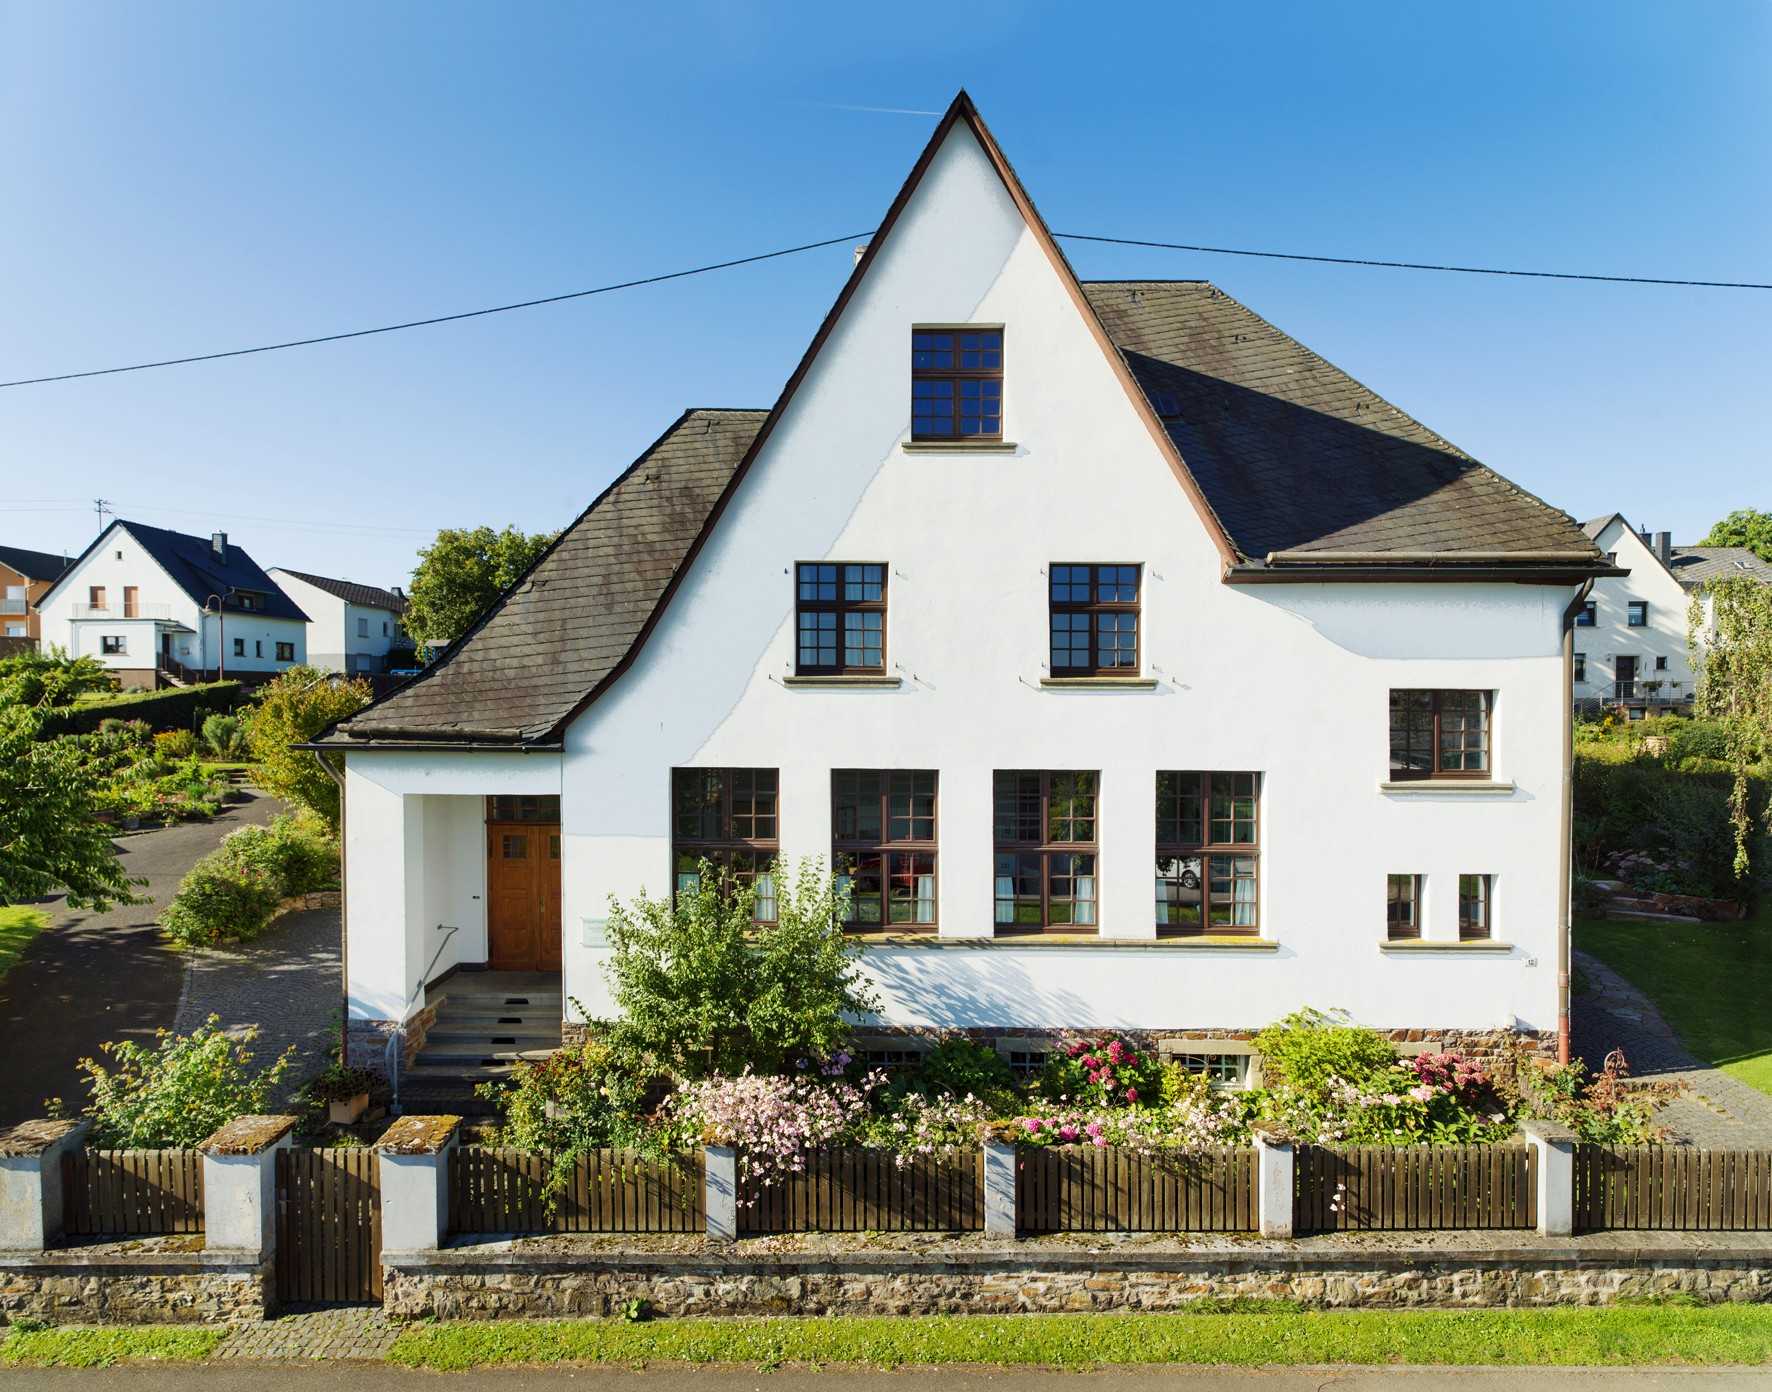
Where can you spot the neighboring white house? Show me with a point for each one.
(147, 602)
(352, 628)
(1630, 639)
(1137, 668)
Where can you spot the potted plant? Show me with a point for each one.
(345, 1091)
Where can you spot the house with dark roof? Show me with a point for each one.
(157, 606)
(25, 577)
(352, 627)
(1631, 636)
(1130, 665)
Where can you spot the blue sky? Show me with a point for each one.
(185, 177)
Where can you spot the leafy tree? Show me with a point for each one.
(460, 574)
(50, 835)
(703, 988)
(1734, 666)
(292, 709)
(1747, 527)
(51, 678)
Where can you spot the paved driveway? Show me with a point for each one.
(93, 977)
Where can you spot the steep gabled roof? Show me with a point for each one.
(575, 615)
(33, 565)
(366, 596)
(191, 563)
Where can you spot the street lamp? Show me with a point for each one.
(221, 636)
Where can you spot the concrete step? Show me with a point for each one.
(467, 1072)
(451, 1038)
(516, 1017)
(467, 1056)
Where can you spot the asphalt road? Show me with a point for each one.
(92, 977)
(368, 1377)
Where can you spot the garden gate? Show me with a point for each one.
(328, 1226)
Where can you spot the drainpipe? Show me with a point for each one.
(1565, 847)
(344, 936)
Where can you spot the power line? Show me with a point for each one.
(834, 241)
(1417, 265)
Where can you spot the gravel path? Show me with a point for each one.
(1717, 1110)
(287, 983)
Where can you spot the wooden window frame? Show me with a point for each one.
(955, 375)
(1437, 748)
(1046, 848)
(113, 645)
(1478, 924)
(1173, 845)
(285, 652)
(721, 849)
(889, 847)
(523, 809)
(1394, 929)
(840, 607)
(1094, 607)
(1636, 613)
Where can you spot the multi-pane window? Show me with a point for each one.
(1637, 613)
(286, 652)
(1439, 734)
(841, 615)
(1223, 1071)
(1584, 617)
(524, 807)
(729, 818)
(956, 384)
(112, 644)
(883, 845)
(1474, 921)
(1044, 832)
(1094, 620)
(1208, 852)
(1402, 907)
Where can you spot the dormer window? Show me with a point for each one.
(956, 384)
(248, 599)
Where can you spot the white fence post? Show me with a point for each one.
(720, 1191)
(1555, 1145)
(31, 1182)
(1275, 1181)
(999, 1188)
(240, 1183)
(413, 1155)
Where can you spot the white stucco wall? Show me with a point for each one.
(1663, 636)
(332, 641)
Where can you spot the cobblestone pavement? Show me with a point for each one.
(1717, 1110)
(321, 1332)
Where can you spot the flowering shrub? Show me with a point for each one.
(1105, 1072)
(920, 1125)
(1186, 1128)
(772, 1121)
(1601, 1110)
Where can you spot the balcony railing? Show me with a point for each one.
(14, 606)
(123, 611)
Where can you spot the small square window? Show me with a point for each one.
(1402, 913)
(956, 384)
(1637, 614)
(840, 617)
(1584, 618)
(286, 652)
(1094, 613)
(112, 643)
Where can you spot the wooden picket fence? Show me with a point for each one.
(118, 1193)
(1415, 1188)
(1672, 1188)
(1112, 1189)
(328, 1226)
(493, 1190)
(849, 1189)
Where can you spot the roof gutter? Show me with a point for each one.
(1428, 557)
(439, 745)
(1395, 568)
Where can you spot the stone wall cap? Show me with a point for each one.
(248, 1135)
(418, 1135)
(35, 1137)
(1548, 1131)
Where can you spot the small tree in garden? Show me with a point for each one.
(1735, 687)
(51, 678)
(703, 988)
(292, 710)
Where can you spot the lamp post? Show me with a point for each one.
(221, 636)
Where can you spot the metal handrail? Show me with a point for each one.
(391, 1055)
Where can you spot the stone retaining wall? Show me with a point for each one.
(134, 1283)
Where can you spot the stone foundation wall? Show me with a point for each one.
(1477, 1043)
(366, 1041)
(72, 1287)
(454, 1289)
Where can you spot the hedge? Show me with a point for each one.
(180, 708)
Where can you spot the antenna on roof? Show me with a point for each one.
(102, 506)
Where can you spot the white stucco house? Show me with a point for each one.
(352, 627)
(154, 605)
(1138, 669)
(1630, 637)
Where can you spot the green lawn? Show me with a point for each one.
(77, 1347)
(1712, 982)
(18, 925)
(1664, 1334)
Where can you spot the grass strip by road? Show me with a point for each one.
(1616, 1336)
(18, 925)
(1710, 981)
(34, 1346)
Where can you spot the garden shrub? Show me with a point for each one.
(960, 1067)
(231, 893)
(175, 744)
(1108, 1072)
(571, 1102)
(224, 736)
(294, 853)
(180, 1091)
(772, 1121)
(1309, 1049)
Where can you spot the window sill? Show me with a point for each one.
(840, 680)
(963, 446)
(1017, 941)
(1099, 683)
(1473, 787)
(1433, 945)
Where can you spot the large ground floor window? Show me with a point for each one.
(731, 819)
(1208, 853)
(1044, 865)
(883, 839)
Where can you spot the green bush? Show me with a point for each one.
(961, 1067)
(293, 854)
(231, 894)
(224, 736)
(175, 744)
(1309, 1047)
(1698, 739)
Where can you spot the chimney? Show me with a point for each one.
(860, 251)
(1664, 547)
(218, 543)
(396, 590)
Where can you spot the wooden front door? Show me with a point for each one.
(1624, 671)
(523, 896)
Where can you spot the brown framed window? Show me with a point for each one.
(1094, 620)
(731, 819)
(1208, 853)
(956, 384)
(112, 643)
(840, 609)
(1475, 923)
(1045, 850)
(883, 841)
(286, 652)
(1439, 734)
(542, 808)
(1402, 907)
